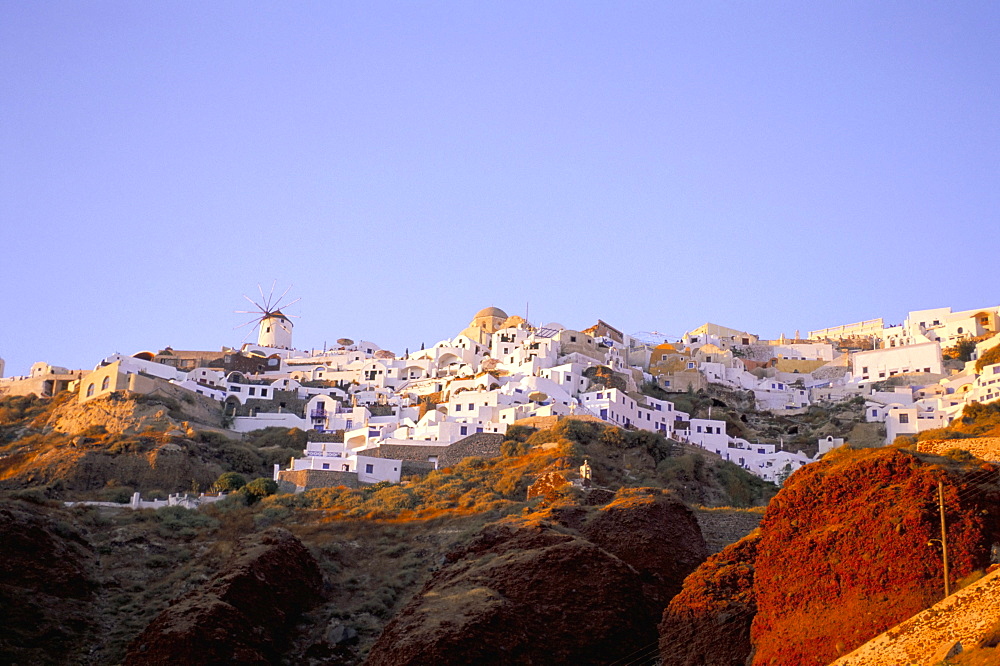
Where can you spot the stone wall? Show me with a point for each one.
(307, 479)
(290, 399)
(406, 452)
(480, 444)
(986, 448)
(415, 468)
(543, 422)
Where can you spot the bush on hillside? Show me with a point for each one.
(258, 489)
(989, 357)
(229, 482)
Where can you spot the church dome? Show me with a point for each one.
(491, 312)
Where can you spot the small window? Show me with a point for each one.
(904, 418)
(106, 383)
(90, 390)
(252, 391)
(369, 468)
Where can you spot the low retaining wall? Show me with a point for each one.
(307, 479)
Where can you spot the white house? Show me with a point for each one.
(618, 408)
(986, 387)
(879, 364)
(329, 456)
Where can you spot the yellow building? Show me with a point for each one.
(486, 322)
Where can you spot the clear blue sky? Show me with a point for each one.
(768, 166)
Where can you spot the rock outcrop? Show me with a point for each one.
(536, 589)
(45, 586)
(548, 485)
(844, 552)
(653, 532)
(845, 549)
(708, 623)
(130, 414)
(243, 615)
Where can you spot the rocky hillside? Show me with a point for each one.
(375, 546)
(47, 586)
(842, 554)
(799, 431)
(112, 446)
(253, 602)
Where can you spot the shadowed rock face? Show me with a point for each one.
(842, 555)
(45, 587)
(243, 614)
(656, 534)
(536, 590)
(708, 623)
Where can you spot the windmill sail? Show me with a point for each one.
(274, 327)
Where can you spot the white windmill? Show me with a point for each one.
(274, 326)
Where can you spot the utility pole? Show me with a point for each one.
(944, 539)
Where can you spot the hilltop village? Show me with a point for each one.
(372, 415)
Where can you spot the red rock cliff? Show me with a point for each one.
(843, 554)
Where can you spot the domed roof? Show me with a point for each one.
(277, 314)
(666, 346)
(491, 312)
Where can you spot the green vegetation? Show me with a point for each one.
(989, 357)
(229, 482)
(619, 458)
(258, 489)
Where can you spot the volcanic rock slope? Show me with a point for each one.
(567, 584)
(243, 614)
(46, 589)
(844, 552)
